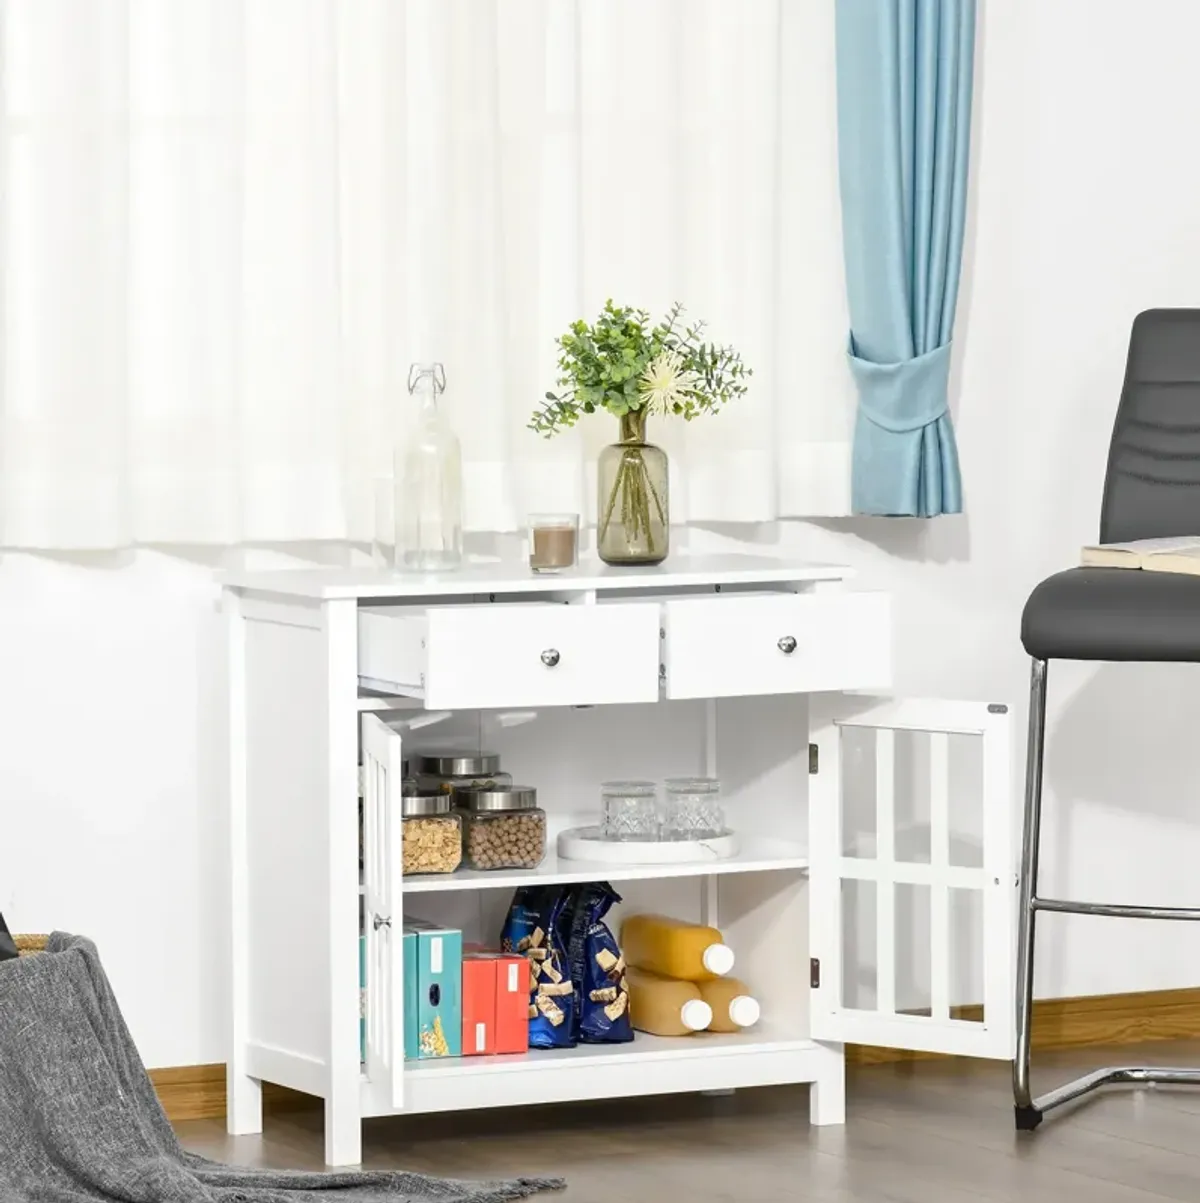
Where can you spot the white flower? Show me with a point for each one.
(664, 383)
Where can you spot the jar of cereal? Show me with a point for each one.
(432, 831)
(450, 771)
(503, 827)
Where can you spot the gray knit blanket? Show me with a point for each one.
(80, 1122)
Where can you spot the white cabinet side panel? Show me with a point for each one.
(764, 919)
(288, 886)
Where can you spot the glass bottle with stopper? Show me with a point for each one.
(428, 481)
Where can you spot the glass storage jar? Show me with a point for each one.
(451, 771)
(432, 832)
(630, 810)
(693, 809)
(362, 785)
(503, 827)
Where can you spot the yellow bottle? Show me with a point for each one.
(733, 1006)
(688, 952)
(663, 1007)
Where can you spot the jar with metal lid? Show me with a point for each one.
(503, 827)
(432, 831)
(362, 787)
(451, 771)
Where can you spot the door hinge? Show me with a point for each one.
(814, 973)
(814, 759)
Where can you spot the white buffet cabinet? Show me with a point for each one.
(845, 890)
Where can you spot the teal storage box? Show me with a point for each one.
(362, 999)
(438, 988)
(411, 1018)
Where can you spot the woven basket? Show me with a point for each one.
(30, 944)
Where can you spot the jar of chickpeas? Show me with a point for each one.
(503, 827)
(432, 831)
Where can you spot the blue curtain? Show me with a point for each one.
(904, 73)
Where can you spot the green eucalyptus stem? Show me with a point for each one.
(612, 500)
(658, 505)
(633, 426)
(632, 484)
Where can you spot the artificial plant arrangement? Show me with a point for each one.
(623, 364)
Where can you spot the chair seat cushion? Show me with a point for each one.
(1113, 614)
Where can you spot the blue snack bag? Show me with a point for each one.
(524, 916)
(598, 968)
(533, 929)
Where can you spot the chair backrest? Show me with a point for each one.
(1152, 485)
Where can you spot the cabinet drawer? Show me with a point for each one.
(780, 643)
(538, 654)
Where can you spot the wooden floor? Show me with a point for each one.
(930, 1132)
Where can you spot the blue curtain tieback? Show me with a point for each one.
(903, 396)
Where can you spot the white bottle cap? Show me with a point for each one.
(744, 1011)
(718, 959)
(695, 1015)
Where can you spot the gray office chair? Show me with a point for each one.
(1151, 490)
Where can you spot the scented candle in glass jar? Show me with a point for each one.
(553, 542)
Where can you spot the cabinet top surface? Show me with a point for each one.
(680, 571)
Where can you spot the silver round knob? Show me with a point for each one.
(379, 921)
(787, 645)
(550, 657)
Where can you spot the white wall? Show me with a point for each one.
(1085, 211)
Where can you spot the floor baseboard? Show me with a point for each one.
(1078, 1022)
(198, 1091)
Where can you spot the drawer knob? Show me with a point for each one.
(381, 921)
(787, 645)
(550, 657)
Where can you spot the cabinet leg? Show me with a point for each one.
(243, 1107)
(343, 1135)
(827, 1095)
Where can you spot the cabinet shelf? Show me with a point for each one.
(761, 1056)
(757, 855)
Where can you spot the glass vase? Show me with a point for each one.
(428, 481)
(633, 520)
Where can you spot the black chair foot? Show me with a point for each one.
(1027, 1118)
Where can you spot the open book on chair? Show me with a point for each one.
(1153, 555)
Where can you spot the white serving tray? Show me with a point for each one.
(587, 844)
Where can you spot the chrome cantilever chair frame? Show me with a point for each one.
(1029, 1111)
(1151, 490)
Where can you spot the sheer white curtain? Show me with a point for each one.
(227, 227)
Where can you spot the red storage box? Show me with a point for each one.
(501, 983)
(512, 1004)
(478, 1005)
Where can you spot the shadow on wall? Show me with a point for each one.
(925, 540)
(1117, 740)
(922, 540)
(1120, 745)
